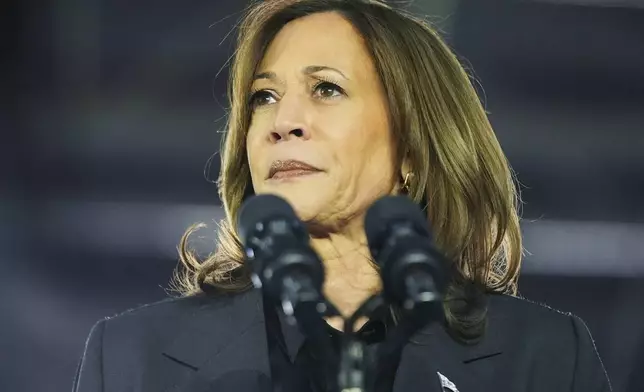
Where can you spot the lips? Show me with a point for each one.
(290, 168)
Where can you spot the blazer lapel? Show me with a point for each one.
(434, 362)
(225, 335)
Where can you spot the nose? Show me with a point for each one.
(290, 121)
(283, 135)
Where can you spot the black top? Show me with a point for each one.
(300, 368)
(219, 343)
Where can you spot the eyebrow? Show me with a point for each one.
(311, 69)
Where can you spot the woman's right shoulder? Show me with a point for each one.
(132, 341)
(168, 313)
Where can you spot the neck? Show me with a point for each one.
(350, 275)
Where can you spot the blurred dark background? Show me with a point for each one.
(111, 109)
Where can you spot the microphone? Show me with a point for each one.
(287, 269)
(282, 261)
(413, 271)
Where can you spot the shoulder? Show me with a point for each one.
(179, 305)
(171, 315)
(186, 330)
(537, 320)
(552, 340)
(520, 308)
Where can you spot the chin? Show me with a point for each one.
(307, 201)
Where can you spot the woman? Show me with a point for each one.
(334, 104)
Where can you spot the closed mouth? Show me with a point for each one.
(293, 173)
(290, 168)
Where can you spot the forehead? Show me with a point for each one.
(323, 38)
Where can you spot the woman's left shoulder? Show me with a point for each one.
(522, 307)
(527, 316)
(560, 339)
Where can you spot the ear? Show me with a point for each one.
(405, 167)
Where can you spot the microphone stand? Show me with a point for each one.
(355, 370)
(358, 367)
(302, 305)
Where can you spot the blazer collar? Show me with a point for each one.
(433, 354)
(432, 337)
(294, 338)
(436, 337)
(222, 334)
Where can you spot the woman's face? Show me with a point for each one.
(319, 134)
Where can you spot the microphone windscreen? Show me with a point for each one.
(259, 208)
(388, 210)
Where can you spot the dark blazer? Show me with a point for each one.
(184, 344)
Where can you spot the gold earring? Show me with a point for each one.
(407, 182)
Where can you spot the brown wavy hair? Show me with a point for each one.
(461, 175)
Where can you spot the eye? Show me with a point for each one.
(261, 98)
(328, 90)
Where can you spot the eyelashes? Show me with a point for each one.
(323, 89)
(256, 96)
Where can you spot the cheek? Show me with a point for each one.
(375, 153)
(257, 134)
(366, 141)
(253, 152)
(366, 162)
